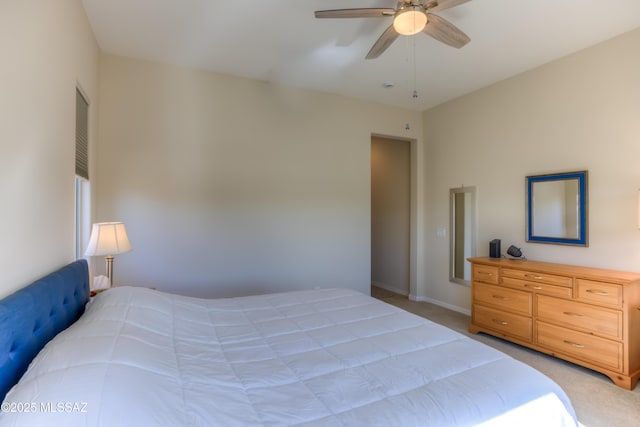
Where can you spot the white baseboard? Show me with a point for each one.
(421, 299)
(441, 304)
(390, 288)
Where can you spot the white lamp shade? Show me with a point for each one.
(108, 238)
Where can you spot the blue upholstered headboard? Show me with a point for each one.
(35, 314)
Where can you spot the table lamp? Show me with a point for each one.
(108, 239)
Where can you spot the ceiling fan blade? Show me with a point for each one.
(372, 12)
(438, 5)
(444, 31)
(389, 36)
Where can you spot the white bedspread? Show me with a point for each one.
(139, 357)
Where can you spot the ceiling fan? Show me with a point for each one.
(409, 17)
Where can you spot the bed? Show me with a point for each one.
(330, 357)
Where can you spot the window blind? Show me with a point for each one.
(82, 136)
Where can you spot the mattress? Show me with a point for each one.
(332, 357)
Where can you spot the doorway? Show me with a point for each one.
(391, 214)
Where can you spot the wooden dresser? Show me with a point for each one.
(588, 316)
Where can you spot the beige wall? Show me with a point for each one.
(47, 47)
(390, 213)
(578, 113)
(258, 187)
(231, 186)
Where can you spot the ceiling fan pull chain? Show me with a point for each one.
(415, 67)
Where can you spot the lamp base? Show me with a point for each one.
(109, 261)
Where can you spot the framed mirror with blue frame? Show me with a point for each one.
(557, 208)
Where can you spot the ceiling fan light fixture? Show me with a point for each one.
(410, 21)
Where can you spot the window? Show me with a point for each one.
(82, 188)
(82, 136)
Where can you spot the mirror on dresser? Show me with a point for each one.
(557, 208)
(462, 233)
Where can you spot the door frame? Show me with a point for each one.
(416, 211)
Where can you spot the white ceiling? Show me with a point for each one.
(280, 41)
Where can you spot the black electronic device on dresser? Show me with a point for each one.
(494, 248)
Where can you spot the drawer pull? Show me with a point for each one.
(485, 273)
(568, 313)
(537, 288)
(500, 322)
(500, 297)
(601, 293)
(533, 276)
(573, 344)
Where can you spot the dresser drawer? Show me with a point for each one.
(598, 320)
(534, 277)
(600, 351)
(503, 298)
(485, 274)
(537, 287)
(507, 323)
(599, 292)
